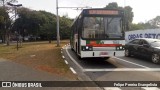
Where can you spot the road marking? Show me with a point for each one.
(122, 69)
(32, 55)
(73, 59)
(111, 88)
(114, 69)
(65, 61)
(63, 57)
(73, 70)
(131, 62)
(61, 52)
(150, 88)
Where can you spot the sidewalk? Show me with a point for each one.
(10, 71)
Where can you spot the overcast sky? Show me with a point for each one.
(144, 10)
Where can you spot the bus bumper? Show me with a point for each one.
(85, 54)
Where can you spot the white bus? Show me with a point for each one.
(98, 33)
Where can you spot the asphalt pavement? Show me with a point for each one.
(10, 71)
(114, 69)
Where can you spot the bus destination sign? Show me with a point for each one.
(104, 12)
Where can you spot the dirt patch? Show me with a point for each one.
(41, 56)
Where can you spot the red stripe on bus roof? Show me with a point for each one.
(104, 45)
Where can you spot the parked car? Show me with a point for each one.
(144, 47)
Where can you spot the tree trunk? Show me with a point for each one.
(8, 39)
(49, 39)
(3, 38)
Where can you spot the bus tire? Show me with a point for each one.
(127, 53)
(76, 48)
(72, 49)
(107, 58)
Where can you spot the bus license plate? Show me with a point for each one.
(104, 53)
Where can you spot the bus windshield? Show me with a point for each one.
(102, 27)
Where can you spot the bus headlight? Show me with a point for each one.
(120, 48)
(87, 48)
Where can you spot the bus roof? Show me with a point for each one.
(100, 11)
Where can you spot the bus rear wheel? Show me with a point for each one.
(72, 49)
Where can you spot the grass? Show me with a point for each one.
(41, 56)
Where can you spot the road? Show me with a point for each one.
(113, 69)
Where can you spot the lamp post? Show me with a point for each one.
(15, 8)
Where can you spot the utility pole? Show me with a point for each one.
(3, 2)
(124, 3)
(58, 36)
(15, 8)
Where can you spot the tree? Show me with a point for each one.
(65, 24)
(1, 22)
(137, 26)
(127, 12)
(151, 24)
(155, 22)
(41, 24)
(7, 21)
(4, 23)
(29, 22)
(141, 26)
(128, 17)
(112, 5)
(48, 30)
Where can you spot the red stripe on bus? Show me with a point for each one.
(104, 45)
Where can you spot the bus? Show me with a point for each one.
(98, 33)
